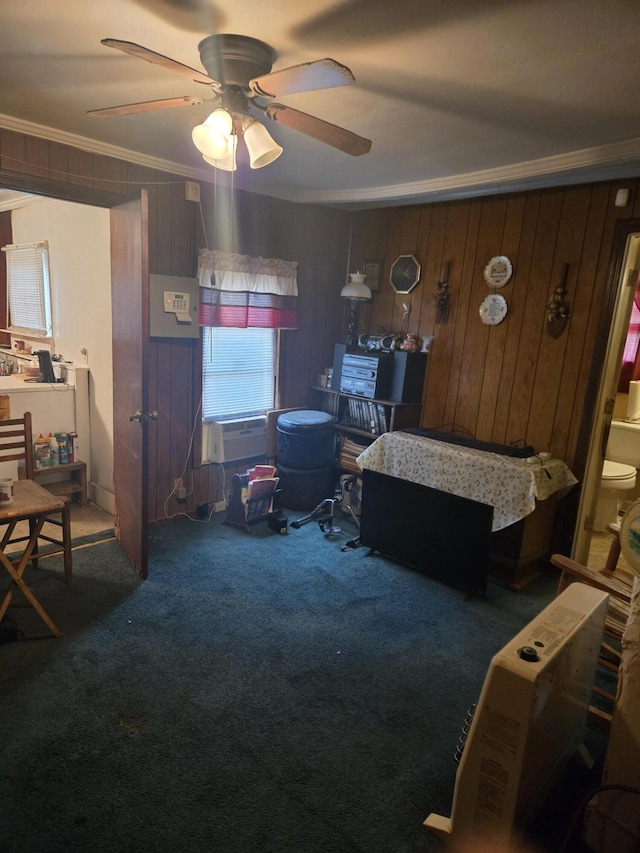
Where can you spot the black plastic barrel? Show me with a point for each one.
(305, 488)
(306, 440)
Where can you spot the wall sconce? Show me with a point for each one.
(356, 291)
(558, 308)
(217, 140)
(442, 297)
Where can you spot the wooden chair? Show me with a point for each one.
(618, 583)
(16, 444)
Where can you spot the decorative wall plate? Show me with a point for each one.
(493, 309)
(498, 271)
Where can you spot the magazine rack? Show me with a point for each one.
(251, 500)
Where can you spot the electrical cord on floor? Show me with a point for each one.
(184, 469)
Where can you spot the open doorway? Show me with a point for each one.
(79, 260)
(592, 540)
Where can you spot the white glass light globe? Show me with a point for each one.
(208, 142)
(220, 122)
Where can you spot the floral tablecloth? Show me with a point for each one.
(511, 486)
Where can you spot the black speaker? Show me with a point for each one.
(408, 376)
(338, 354)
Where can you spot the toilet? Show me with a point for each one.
(619, 471)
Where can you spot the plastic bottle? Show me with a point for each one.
(54, 455)
(42, 452)
(63, 447)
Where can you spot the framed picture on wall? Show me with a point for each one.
(373, 271)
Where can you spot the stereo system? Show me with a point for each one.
(366, 375)
(397, 376)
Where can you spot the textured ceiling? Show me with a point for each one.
(458, 98)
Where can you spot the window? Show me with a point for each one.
(239, 368)
(28, 292)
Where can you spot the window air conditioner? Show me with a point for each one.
(230, 440)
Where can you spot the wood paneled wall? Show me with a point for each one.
(511, 382)
(316, 237)
(505, 383)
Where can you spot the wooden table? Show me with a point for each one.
(31, 503)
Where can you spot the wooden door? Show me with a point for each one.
(130, 320)
(607, 361)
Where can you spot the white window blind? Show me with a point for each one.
(238, 372)
(28, 291)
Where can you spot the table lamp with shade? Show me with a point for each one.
(356, 291)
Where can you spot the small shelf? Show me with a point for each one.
(354, 414)
(362, 419)
(69, 479)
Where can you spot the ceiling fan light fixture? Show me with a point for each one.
(209, 143)
(220, 121)
(228, 161)
(262, 148)
(211, 138)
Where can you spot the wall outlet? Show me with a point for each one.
(219, 506)
(181, 493)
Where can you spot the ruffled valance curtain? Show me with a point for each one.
(240, 291)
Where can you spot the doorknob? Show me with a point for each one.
(143, 418)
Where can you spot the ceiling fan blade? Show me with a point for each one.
(158, 59)
(145, 107)
(194, 16)
(321, 130)
(307, 77)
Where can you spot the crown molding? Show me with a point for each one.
(94, 146)
(10, 200)
(604, 162)
(614, 160)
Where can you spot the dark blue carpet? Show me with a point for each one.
(258, 693)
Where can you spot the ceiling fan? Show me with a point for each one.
(240, 77)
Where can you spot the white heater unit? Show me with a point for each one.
(529, 720)
(231, 440)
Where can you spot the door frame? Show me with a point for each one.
(603, 377)
(80, 195)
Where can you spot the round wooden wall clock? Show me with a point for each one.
(405, 273)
